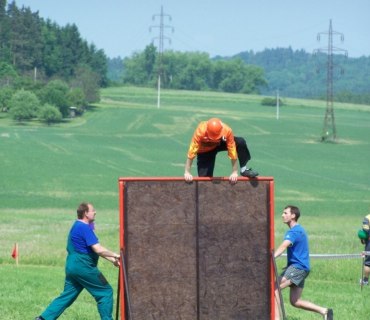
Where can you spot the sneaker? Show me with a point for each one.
(39, 318)
(364, 282)
(329, 315)
(249, 173)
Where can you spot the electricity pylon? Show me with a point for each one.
(161, 39)
(329, 130)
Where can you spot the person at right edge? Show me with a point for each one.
(364, 236)
(298, 266)
(211, 137)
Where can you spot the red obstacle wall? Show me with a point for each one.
(196, 251)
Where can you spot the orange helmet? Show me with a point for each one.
(214, 128)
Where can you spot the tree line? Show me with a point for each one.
(190, 71)
(37, 56)
(294, 73)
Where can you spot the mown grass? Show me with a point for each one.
(47, 170)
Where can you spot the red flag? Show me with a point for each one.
(15, 252)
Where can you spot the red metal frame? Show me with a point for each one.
(272, 246)
(121, 198)
(121, 185)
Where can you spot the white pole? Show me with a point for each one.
(159, 91)
(277, 104)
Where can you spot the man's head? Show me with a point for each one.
(86, 211)
(291, 213)
(214, 128)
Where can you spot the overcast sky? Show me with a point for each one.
(218, 27)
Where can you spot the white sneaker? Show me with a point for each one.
(329, 315)
(364, 283)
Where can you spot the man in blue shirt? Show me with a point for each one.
(81, 268)
(298, 266)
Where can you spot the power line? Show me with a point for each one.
(161, 27)
(329, 129)
(161, 39)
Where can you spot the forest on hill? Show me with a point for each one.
(45, 69)
(304, 75)
(40, 48)
(296, 73)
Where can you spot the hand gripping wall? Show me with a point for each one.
(196, 251)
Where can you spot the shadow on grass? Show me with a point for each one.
(91, 108)
(21, 123)
(39, 123)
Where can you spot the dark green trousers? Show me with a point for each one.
(82, 273)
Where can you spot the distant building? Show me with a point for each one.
(72, 112)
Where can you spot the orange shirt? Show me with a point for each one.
(201, 143)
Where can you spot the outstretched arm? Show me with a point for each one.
(187, 175)
(234, 173)
(285, 244)
(106, 254)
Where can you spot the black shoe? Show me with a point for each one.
(39, 318)
(329, 315)
(249, 173)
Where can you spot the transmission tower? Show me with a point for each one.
(161, 39)
(329, 130)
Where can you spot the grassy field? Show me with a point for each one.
(46, 171)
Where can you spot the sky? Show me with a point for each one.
(217, 27)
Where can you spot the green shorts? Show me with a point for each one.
(295, 275)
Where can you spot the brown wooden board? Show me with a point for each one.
(160, 247)
(197, 251)
(234, 251)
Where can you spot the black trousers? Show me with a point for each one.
(206, 160)
(367, 248)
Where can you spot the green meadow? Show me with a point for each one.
(46, 171)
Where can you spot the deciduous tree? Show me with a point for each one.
(24, 105)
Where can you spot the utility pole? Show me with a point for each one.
(277, 104)
(161, 39)
(329, 130)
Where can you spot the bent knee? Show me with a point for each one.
(240, 141)
(296, 303)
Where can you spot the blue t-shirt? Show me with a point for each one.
(298, 252)
(83, 237)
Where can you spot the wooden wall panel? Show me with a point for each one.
(234, 251)
(197, 251)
